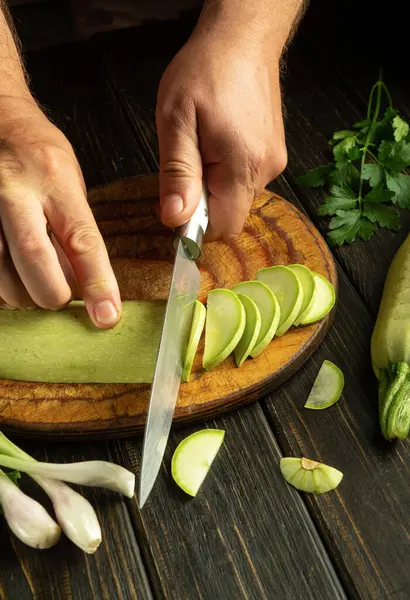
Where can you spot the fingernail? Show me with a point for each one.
(106, 313)
(173, 205)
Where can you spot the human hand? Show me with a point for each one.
(219, 106)
(50, 246)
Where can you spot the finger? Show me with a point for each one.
(230, 199)
(33, 255)
(180, 164)
(12, 291)
(76, 231)
(67, 269)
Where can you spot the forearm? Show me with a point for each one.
(12, 76)
(272, 22)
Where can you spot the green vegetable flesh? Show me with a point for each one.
(193, 458)
(324, 298)
(310, 476)
(65, 347)
(225, 324)
(269, 310)
(308, 286)
(287, 288)
(251, 332)
(198, 323)
(327, 387)
(390, 347)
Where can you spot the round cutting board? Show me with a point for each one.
(276, 233)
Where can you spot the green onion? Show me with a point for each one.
(74, 513)
(27, 519)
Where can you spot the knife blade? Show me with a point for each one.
(176, 327)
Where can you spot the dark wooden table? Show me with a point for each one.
(248, 534)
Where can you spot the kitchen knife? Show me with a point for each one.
(179, 310)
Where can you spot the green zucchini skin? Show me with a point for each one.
(390, 347)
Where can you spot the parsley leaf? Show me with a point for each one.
(343, 134)
(399, 184)
(344, 174)
(316, 177)
(340, 199)
(374, 173)
(395, 155)
(361, 124)
(389, 114)
(342, 149)
(379, 194)
(400, 127)
(367, 174)
(366, 229)
(385, 216)
(344, 227)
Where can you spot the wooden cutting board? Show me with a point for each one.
(141, 251)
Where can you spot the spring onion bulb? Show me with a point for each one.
(27, 519)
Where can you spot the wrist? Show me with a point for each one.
(264, 25)
(17, 102)
(16, 110)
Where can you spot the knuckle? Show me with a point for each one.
(179, 168)
(56, 298)
(83, 239)
(32, 249)
(96, 285)
(51, 158)
(176, 110)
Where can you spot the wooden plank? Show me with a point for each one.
(370, 554)
(245, 536)
(257, 555)
(76, 98)
(368, 544)
(95, 16)
(42, 23)
(81, 109)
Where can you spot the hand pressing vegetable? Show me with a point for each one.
(390, 347)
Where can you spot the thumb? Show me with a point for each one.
(180, 171)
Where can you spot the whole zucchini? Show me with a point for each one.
(390, 347)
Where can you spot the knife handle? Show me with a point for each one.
(192, 233)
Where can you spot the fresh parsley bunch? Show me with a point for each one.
(368, 174)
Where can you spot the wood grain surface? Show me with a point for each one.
(247, 535)
(140, 248)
